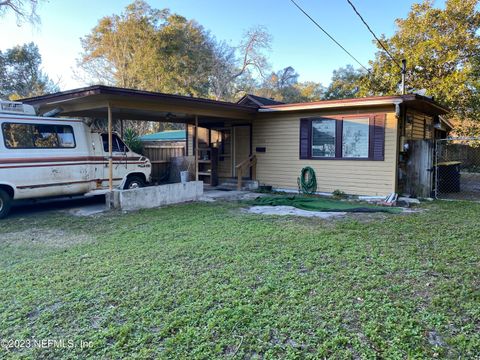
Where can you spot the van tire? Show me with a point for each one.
(134, 182)
(5, 204)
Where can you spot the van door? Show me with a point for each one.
(120, 154)
(99, 163)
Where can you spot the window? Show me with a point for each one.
(323, 138)
(343, 137)
(355, 138)
(65, 137)
(117, 144)
(18, 136)
(45, 136)
(42, 136)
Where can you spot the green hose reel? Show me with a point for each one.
(307, 182)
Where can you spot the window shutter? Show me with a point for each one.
(378, 145)
(305, 138)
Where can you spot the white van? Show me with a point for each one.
(46, 157)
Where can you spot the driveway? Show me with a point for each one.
(78, 205)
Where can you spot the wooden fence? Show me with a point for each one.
(161, 157)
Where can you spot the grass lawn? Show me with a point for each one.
(204, 281)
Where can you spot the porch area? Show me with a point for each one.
(221, 154)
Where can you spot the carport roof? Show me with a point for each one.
(131, 104)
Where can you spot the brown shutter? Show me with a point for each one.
(378, 139)
(305, 138)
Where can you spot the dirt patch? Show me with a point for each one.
(44, 237)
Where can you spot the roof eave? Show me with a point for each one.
(329, 105)
(436, 108)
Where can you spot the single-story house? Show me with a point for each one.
(363, 146)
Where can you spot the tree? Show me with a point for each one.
(149, 49)
(21, 75)
(442, 47)
(234, 67)
(309, 91)
(24, 10)
(283, 86)
(345, 83)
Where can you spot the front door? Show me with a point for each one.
(242, 145)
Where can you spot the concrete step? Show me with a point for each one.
(232, 184)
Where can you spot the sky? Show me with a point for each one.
(296, 41)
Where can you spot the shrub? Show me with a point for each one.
(132, 140)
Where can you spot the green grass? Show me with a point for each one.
(205, 281)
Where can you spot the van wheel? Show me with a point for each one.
(5, 204)
(134, 182)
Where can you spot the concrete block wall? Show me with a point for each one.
(154, 196)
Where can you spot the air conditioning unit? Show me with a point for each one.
(12, 107)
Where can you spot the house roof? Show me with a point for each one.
(172, 135)
(254, 100)
(130, 104)
(419, 102)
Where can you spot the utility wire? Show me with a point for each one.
(330, 36)
(375, 36)
(372, 77)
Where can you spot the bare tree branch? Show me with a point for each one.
(24, 10)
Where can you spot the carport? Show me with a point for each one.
(105, 102)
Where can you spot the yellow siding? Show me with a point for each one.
(280, 165)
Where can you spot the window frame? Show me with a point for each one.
(114, 135)
(372, 153)
(369, 142)
(38, 147)
(335, 138)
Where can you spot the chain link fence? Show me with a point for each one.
(457, 169)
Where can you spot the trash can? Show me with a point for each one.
(448, 176)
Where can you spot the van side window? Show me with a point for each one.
(65, 137)
(117, 144)
(45, 136)
(18, 136)
(42, 136)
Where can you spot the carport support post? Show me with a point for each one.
(196, 148)
(110, 153)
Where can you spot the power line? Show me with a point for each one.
(375, 36)
(372, 77)
(330, 36)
